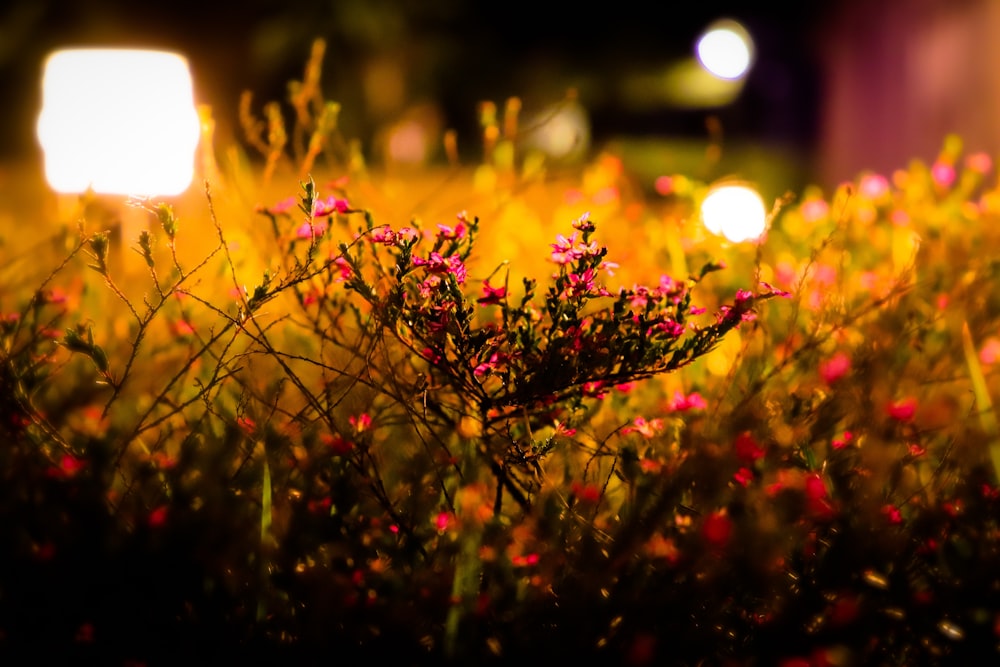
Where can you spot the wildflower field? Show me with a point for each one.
(503, 413)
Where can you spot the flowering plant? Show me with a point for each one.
(391, 445)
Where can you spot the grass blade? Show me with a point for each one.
(987, 415)
(265, 531)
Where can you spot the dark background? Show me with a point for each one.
(452, 52)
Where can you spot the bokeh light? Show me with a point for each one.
(118, 121)
(560, 131)
(734, 211)
(726, 50)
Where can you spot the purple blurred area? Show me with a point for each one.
(847, 85)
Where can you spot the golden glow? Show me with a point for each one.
(118, 122)
(734, 211)
(726, 50)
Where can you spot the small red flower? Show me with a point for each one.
(182, 328)
(587, 493)
(747, 449)
(717, 529)
(69, 466)
(817, 497)
(524, 561)
(338, 445)
(158, 517)
(246, 424)
(743, 476)
(892, 513)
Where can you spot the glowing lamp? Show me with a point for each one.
(725, 49)
(734, 211)
(118, 121)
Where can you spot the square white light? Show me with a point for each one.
(118, 121)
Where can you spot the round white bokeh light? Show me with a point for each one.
(725, 50)
(734, 211)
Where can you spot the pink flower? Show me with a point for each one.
(583, 223)
(874, 186)
(562, 249)
(442, 521)
(451, 233)
(664, 185)
(492, 295)
(563, 430)
(311, 230)
(902, 410)
(361, 423)
(668, 327)
(682, 403)
(344, 269)
(437, 264)
(645, 428)
(771, 290)
(283, 206)
(943, 174)
(329, 206)
(814, 210)
(835, 367)
(990, 352)
(580, 284)
(53, 296)
(383, 235)
(182, 328)
(740, 311)
(489, 365)
(842, 441)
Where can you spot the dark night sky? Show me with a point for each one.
(456, 53)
